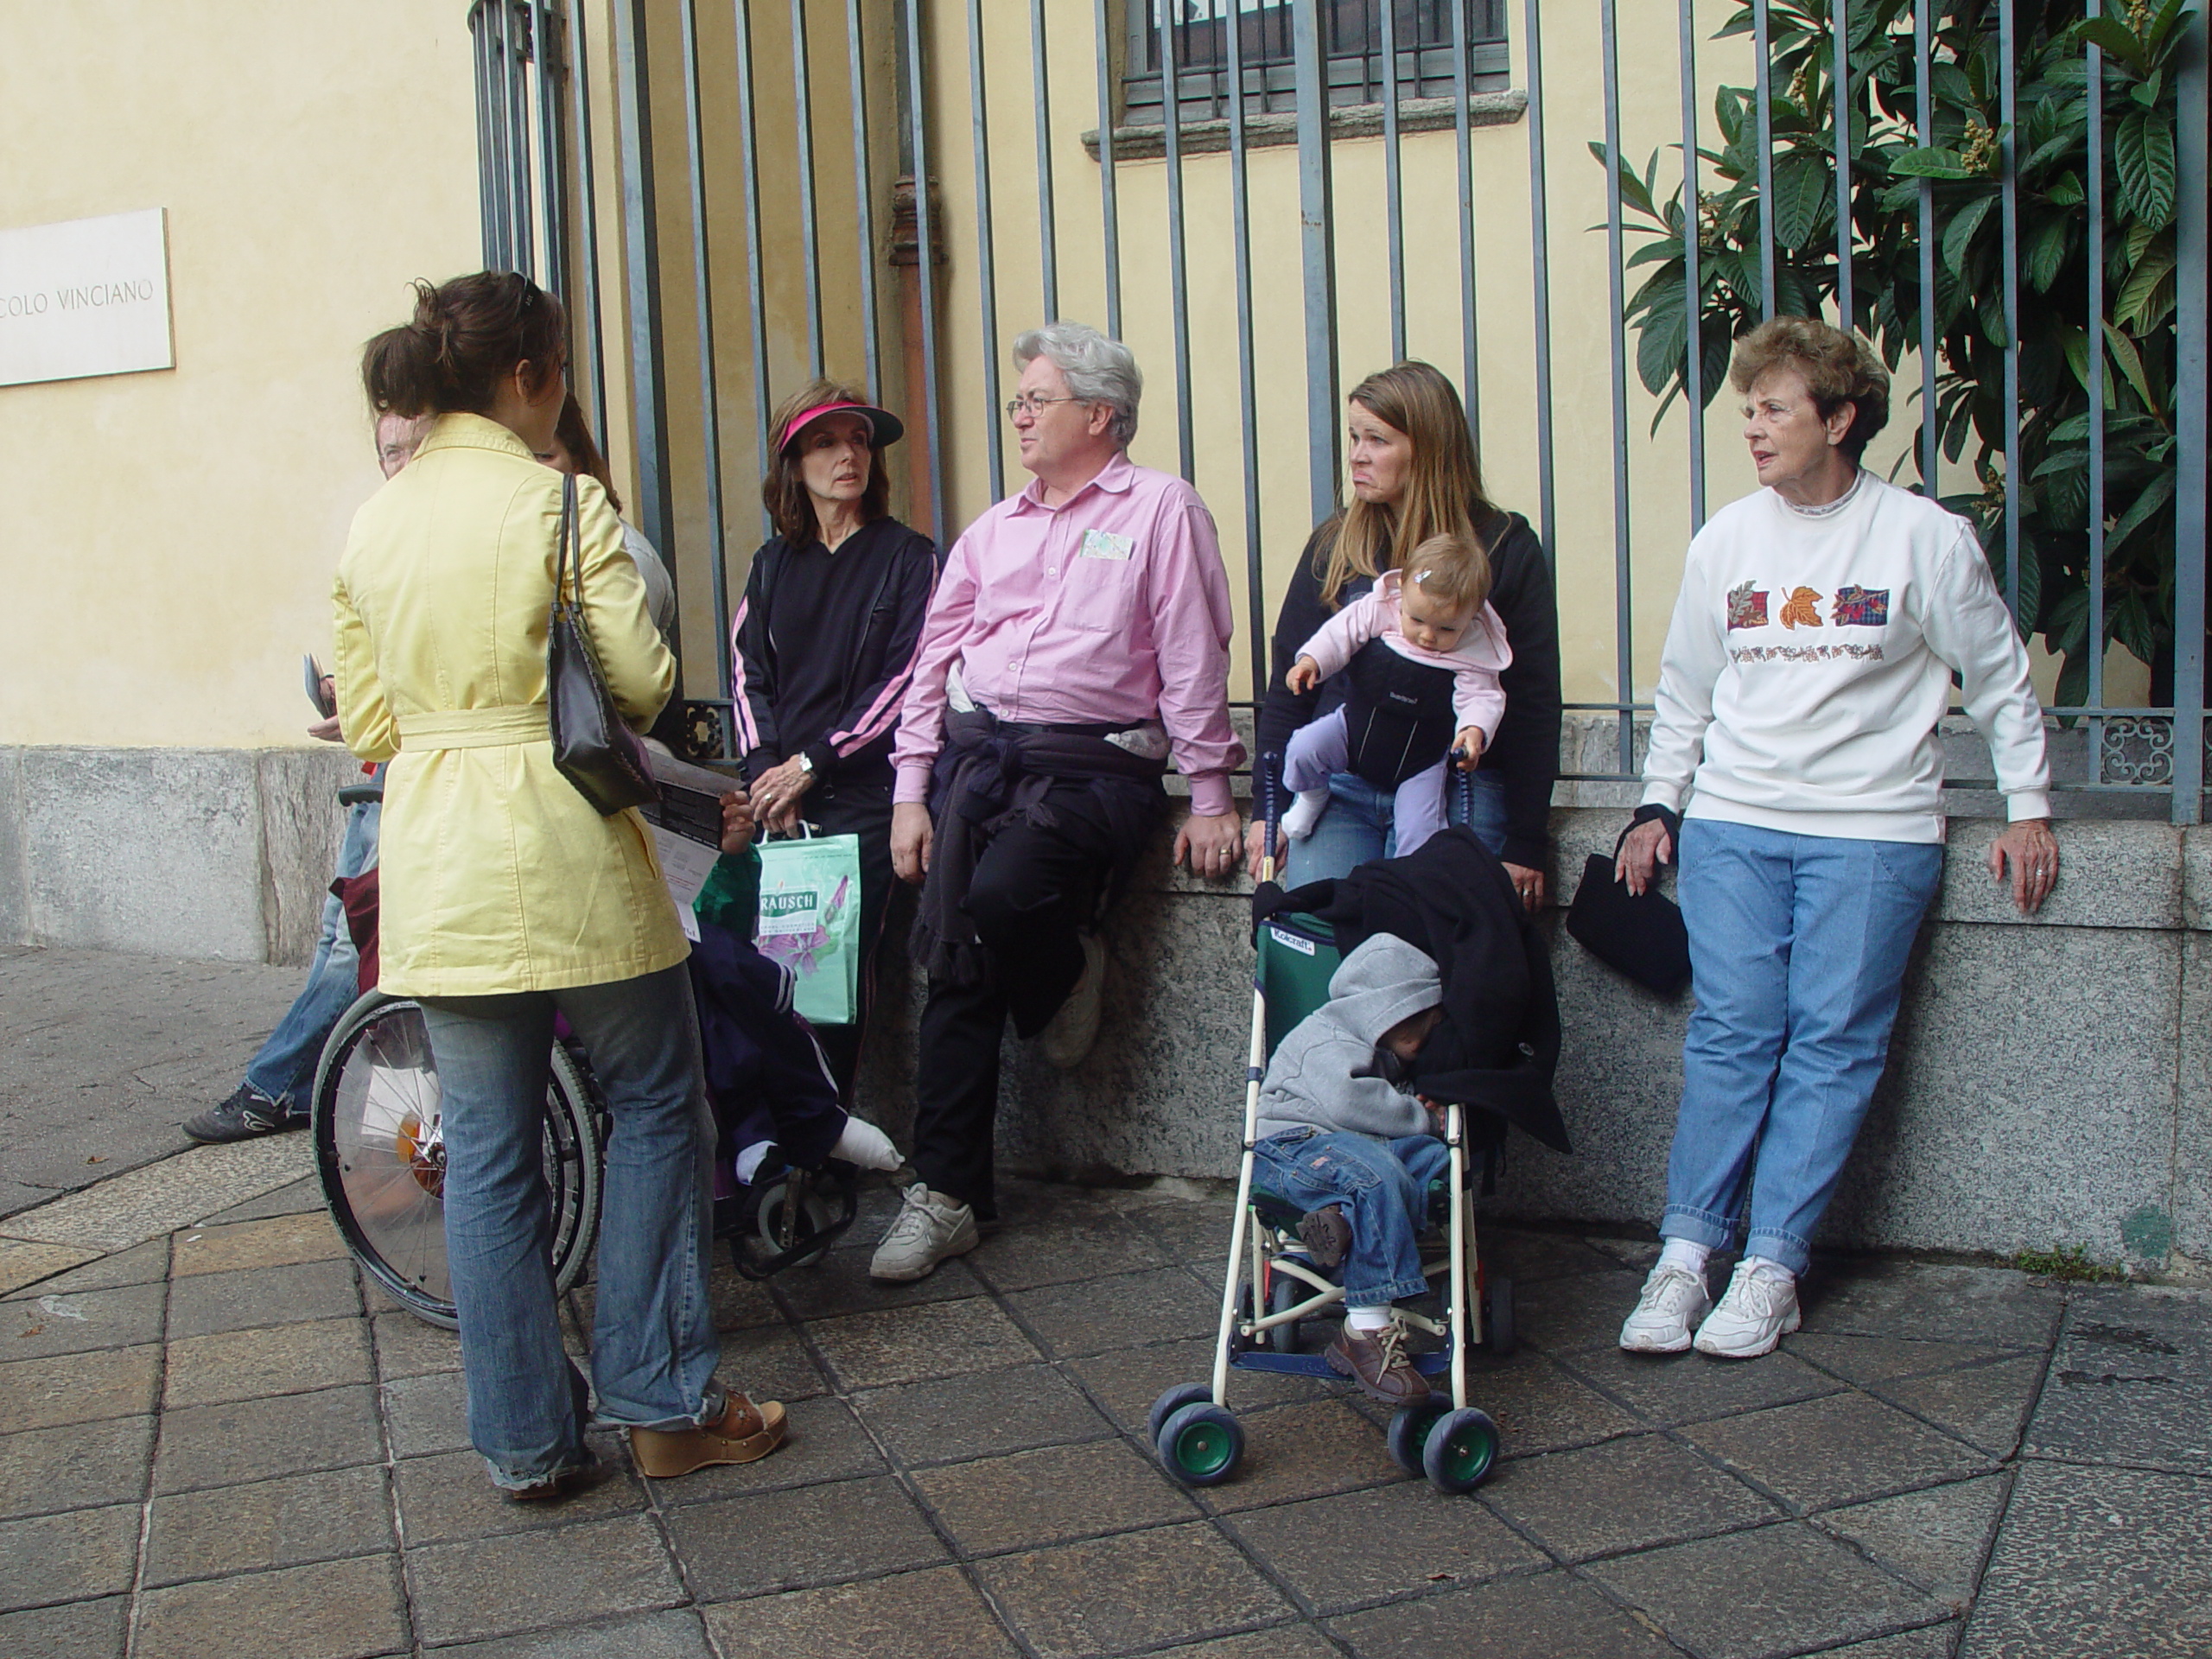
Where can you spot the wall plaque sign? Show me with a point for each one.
(88, 296)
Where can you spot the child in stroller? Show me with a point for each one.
(1345, 1140)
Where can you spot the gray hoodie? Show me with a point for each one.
(1331, 1072)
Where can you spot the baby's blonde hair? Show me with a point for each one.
(1452, 568)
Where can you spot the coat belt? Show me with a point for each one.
(474, 728)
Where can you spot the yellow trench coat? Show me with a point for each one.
(496, 875)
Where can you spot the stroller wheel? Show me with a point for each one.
(1498, 1334)
(1173, 1401)
(1409, 1430)
(1200, 1445)
(1460, 1452)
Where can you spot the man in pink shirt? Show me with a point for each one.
(1078, 636)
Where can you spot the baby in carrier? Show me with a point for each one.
(1423, 651)
(1346, 1139)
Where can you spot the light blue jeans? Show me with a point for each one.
(1383, 1187)
(653, 1346)
(1798, 946)
(1357, 826)
(282, 1069)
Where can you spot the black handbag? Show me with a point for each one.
(593, 748)
(1640, 937)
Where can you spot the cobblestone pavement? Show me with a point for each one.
(216, 1443)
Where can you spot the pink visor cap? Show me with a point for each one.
(884, 427)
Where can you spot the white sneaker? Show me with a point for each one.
(929, 1228)
(1759, 1307)
(1305, 812)
(1673, 1301)
(1068, 1039)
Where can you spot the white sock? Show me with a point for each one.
(1305, 812)
(862, 1143)
(1686, 1254)
(748, 1162)
(1368, 1318)
(1767, 1268)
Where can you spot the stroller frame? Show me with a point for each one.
(1193, 1431)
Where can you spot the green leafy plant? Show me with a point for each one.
(1963, 169)
(2071, 1262)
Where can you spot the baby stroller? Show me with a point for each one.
(379, 1144)
(1490, 1063)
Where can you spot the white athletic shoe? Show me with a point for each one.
(1066, 1042)
(1757, 1310)
(1673, 1300)
(1305, 812)
(929, 1228)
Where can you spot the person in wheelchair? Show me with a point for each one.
(1345, 1140)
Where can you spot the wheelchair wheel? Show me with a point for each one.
(1200, 1445)
(1459, 1450)
(1172, 1400)
(1410, 1426)
(1284, 1293)
(379, 1148)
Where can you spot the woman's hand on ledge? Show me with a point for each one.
(1207, 842)
(1529, 884)
(2029, 853)
(1648, 847)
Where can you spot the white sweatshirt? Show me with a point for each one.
(1810, 658)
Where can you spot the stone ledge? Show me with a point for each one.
(1148, 142)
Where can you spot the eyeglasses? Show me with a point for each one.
(1016, 407)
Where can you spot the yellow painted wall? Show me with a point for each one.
(167, 550)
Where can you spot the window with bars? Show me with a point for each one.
(1201, 33)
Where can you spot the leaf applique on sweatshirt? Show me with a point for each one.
(1746, 606)
(1804, 609)
(1860, 607)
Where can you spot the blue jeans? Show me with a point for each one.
(653, 1343)
(1383, 1187)
(283, 1068)
(1798, 946)
(1356, 826)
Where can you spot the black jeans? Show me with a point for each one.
(863, 809)
(1033, 890)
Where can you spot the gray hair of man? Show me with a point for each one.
(1098, 370)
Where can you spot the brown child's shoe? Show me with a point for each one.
(743, 1433)
(1326, 1236)
(1377, 1361)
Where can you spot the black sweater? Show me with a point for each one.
(825, 646)
(1525, 752)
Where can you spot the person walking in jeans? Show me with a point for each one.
(273, 1096)
(1810, 657)
(506, 899)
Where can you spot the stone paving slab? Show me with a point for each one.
(216, 1441)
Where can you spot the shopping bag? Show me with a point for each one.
(810, 922)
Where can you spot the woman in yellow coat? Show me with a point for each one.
(505, 896)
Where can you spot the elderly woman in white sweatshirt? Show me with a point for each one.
(1809, 659)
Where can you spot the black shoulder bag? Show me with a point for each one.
(1640, 937)
(593, 748)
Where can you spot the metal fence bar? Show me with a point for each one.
(1761, 68)
(986, 283)
(864, 201)
(1471, 377)
(2009, 207)
(1179, 296)
(487, 187)
(1040, 94)
(1840, 26)
(1541, 284)
(918, 138)
(702, 294)
(2094, 139)
(810, 241)
(1317, 262)
(495, 85)
(748, 162)
(1108, 207)
(552, 154)
(1623, 612)
(1692, 275)
(1393, 191)
(2192, 254)
(1931, 431)
(514, 143)
(587, 217)
(1239, 222)
(653, 504)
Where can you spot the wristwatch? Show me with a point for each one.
(806, 764)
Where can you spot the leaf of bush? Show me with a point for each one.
(2114, 37)
(2137, 304)
(1931, 161)
(2142, 155)
(2046, 254)
(1960, 231)
(1801, 185)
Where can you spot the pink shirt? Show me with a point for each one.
(1476, 661)
(1111, 609)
